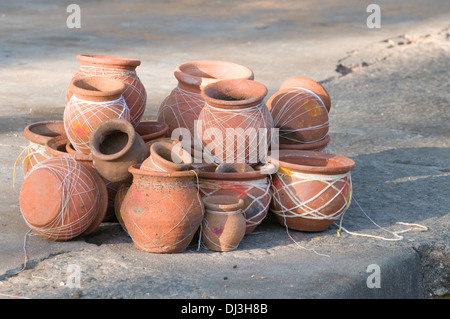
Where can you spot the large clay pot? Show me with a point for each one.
(120, 68)
(309, 84)
(252, 186)
(167, 157)
(223, 226)
(118, 201)
(235, 124)
(300, 115)
(38, 134)
(311, 190)
(183, 105)
(60, 147)
(61, 199)
(95, 100)
(115, 146)
(152, 130)
(162, 210)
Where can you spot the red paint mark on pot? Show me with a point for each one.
(217, 231)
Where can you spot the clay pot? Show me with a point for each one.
(162, 210)
(252, 186)
(118, 201)
(95, 100)
(38, 134)
(115, 146)
(61, 199)
(183, 105)
(120, 68)
(61, 147)
(309, 84)
(167, 157)
(223, 226)
(311, 190)
(234, 121)
(300, 115)
(152, 130)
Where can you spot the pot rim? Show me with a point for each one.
(183, 75)
(51, 148)
(40, 138)
(253, 99)
(252, 175)
(234, 204)
(115, 88)
(345, 164)
(135, 170)
(154, 135)
(109, 60)
(121, 125)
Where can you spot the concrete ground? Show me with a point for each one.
(390, 113)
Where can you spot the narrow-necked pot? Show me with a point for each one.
(115, 146)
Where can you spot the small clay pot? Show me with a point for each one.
(309, 84)
(234, 108)
(300, 115)
(152, 130)
(162, 211)
(61, 199)
(120, 68)
(311, 190)
(95, 100)
(183, 105)
(167, 157)
(238, 181)
(223, 226)
(38, 134)
(115, 146)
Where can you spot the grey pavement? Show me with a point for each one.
(390, 113)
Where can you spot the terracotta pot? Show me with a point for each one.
(167, 157)
(183, 105)
(38, 134)
(119, 68)
(95, 100)
(152, 130)
(61, 199)
(309, 84)
(300, 115)
(118, 201)
(223, 226)
(314, 146)
(115, 146)
(252, 186)
(162, 210)
(311, 190)
(61, 147)
(232, 120)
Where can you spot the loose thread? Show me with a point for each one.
(396, 235)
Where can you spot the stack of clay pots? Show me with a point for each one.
(74, 167)
(172, 178)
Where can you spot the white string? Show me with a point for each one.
(79, 115)
(293, 109)
(257, 117)
(70, 223)
(135, 94)
(182, 111)
(394, 233)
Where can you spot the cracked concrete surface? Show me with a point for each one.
(390, 113)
